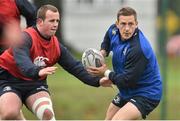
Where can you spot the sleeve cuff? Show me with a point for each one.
(106, 73)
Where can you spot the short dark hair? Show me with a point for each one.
(127, 11)
(41, 13)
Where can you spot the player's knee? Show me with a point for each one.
(48, 114)
(21, 116)
(45, 112)
(42, 107)
(9, 114)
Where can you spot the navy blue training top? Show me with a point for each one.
(136, 70)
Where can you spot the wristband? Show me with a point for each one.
(106, 73)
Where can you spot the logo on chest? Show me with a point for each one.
(125, 51)
(40, 61)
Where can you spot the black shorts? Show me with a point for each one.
(22, 88)
(144, 105)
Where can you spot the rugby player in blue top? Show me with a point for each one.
(136, 73)
(25, 67)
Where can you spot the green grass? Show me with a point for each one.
(74, 100)
(172, 91)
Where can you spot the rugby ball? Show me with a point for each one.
(92, 57)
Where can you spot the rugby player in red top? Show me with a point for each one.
(11, 11)
(25, 67)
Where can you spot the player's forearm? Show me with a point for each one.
(80, 73)
(121, 80)
(23, 62)
(75, 67)
(28, 10)
(26, 67)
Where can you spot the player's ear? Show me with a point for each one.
(136, 24)
(117, 23)
(39, 20)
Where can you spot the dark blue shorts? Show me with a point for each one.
(22, 88)
(144, 105)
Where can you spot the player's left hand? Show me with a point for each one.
(105, 82)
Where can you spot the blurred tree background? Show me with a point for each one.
(169, 51)
(173, 16)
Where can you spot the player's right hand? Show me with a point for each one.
(103, 52)
(47, 71)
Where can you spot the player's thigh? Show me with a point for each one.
(115, 105)
(32, 98)
(111, 111)
(9, 100)
(128, 112)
